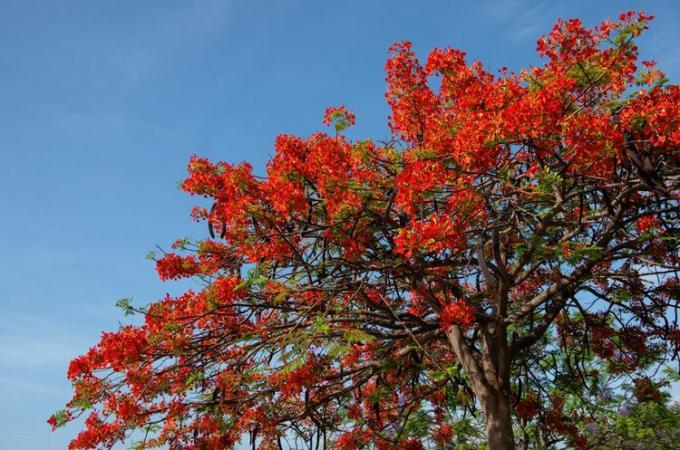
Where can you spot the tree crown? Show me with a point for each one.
(515, 240)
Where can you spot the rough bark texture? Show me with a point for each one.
(498, 421)
(489, 373)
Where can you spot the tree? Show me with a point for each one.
(483, 279)
(649, 425)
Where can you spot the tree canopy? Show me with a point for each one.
(494, 275)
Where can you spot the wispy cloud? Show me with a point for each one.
(502, 11)
(531, 22)
(522, 20)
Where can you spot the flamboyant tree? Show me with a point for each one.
(490, 277)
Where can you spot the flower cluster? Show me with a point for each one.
(458, 312)
(340, 117)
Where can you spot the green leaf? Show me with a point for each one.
(294, 364)
(320, 326)
(281, 296)
(418, 424)
(193, 379)
(337, 350)
(359, 336)
(126, 305)
(61, 417)
(548, 180)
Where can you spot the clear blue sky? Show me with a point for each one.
(103, 102)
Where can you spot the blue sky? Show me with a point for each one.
(102, 103)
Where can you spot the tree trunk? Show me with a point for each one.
(488, 381)
(496, 409)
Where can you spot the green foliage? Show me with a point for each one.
(320, 326)
(60, 418)
(297, 361)
(337, 349)
(418, 424)
(254, 278)
(125, 304)
(192, 380)
(548, 181)
(358, 336)
(643, 426)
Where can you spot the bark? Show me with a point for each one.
(489, 373)
(498, 421)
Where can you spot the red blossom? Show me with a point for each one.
(172, 266)
(458, 312)
(340, 116)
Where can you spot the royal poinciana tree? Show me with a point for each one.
(492, 276)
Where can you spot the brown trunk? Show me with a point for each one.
(498, 421)
(488, 378)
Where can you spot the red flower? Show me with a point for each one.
(340, 116)
(458, 312)
(173, 266)
(646, 224)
